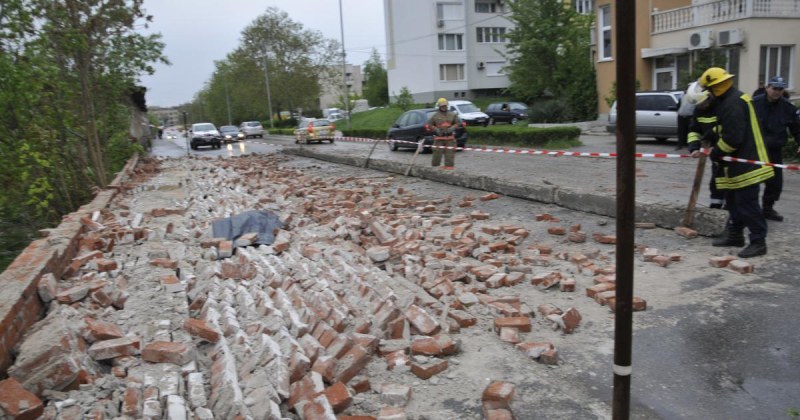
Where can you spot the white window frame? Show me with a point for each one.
(494, 68)
(458, 68)
(584, 7)
(604, 28)
(671, 70)
(783, 66)
(495, 34)
(449, 11)
(457, 39)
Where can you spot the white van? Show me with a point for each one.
(469, 113)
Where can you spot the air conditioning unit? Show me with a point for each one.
(481, 65)
(440, 23)
(731, 37)
(700, 40)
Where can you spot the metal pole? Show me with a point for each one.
(269, 97)
(344, 70)
(186, 131)
(625, 21)
(228, 102)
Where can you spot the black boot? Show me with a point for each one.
(730, 238)
(771, 214)
(755, 249)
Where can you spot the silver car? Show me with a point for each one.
(252, 129)
(656, 114)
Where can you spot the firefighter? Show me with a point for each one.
(701, 134)
(444, 123)
(738, 136)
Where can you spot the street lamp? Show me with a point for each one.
(269, 97)
(344, 70)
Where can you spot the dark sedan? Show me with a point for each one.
(412, 127)
(509, 112)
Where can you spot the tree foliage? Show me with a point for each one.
(296, 61)
(550, 56)
(66, 70)
(404, 100)
(376, 90)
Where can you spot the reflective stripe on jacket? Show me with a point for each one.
(739, 136)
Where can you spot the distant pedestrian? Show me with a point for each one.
(160, 132)
(444, 123)
(777, 117)
(738, 136)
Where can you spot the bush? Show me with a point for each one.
(550, 111)
(367, 133)
(525, 136)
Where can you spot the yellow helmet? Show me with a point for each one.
(441, 102)
(714, 76)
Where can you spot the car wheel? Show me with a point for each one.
(514, 120)
(661, 139)
(492, 121)
(392, 144)
(331, 141)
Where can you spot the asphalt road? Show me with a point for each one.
(713, 345)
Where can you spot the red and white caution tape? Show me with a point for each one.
(558, 153)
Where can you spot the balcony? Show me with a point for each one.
(720, 12)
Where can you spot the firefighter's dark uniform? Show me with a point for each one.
(739, 136)
(701, 134)
(444, 126)
(776, 118)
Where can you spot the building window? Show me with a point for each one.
(495, 68)
(484, 7)
(584, 7)
(605, 33)
(449, 11)
(449, 72)
(665, 72)
(491, 35)
(451, 42)
(775, 60)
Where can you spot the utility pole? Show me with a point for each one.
(228, 102)
(186, 130)
(344, 70)
(269, 97)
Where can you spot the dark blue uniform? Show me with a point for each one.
(776, 120)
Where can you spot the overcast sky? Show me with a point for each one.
(197, 32)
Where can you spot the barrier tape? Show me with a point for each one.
(558, 153)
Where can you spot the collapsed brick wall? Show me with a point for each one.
(20, 305)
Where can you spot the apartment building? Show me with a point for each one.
(448, 48)
(753, 39)
(453, 48)
(332, 89)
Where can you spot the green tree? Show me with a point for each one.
(404, 99)
(376, 90)
(549, 56)
(67, 68)
(297, 60)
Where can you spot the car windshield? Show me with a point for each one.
(228, 129)
(465, 108)
(253, 124)
(519, 107)
(204, 127)
(321, 123)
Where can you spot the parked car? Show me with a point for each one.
(656, 114)
(509, 112)
(469, 113)
(252, 129)
(314, 130)
(412, 127)
(205, 134)
(230, 133)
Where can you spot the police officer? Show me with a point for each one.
(738, 136)
(701, 134)
(777, 116)
(444, 123)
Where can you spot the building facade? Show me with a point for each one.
(451, 49)
(333, 90)
(167, 117)
(676, 39)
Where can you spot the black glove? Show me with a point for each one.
(716, 154)
(693, 146)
